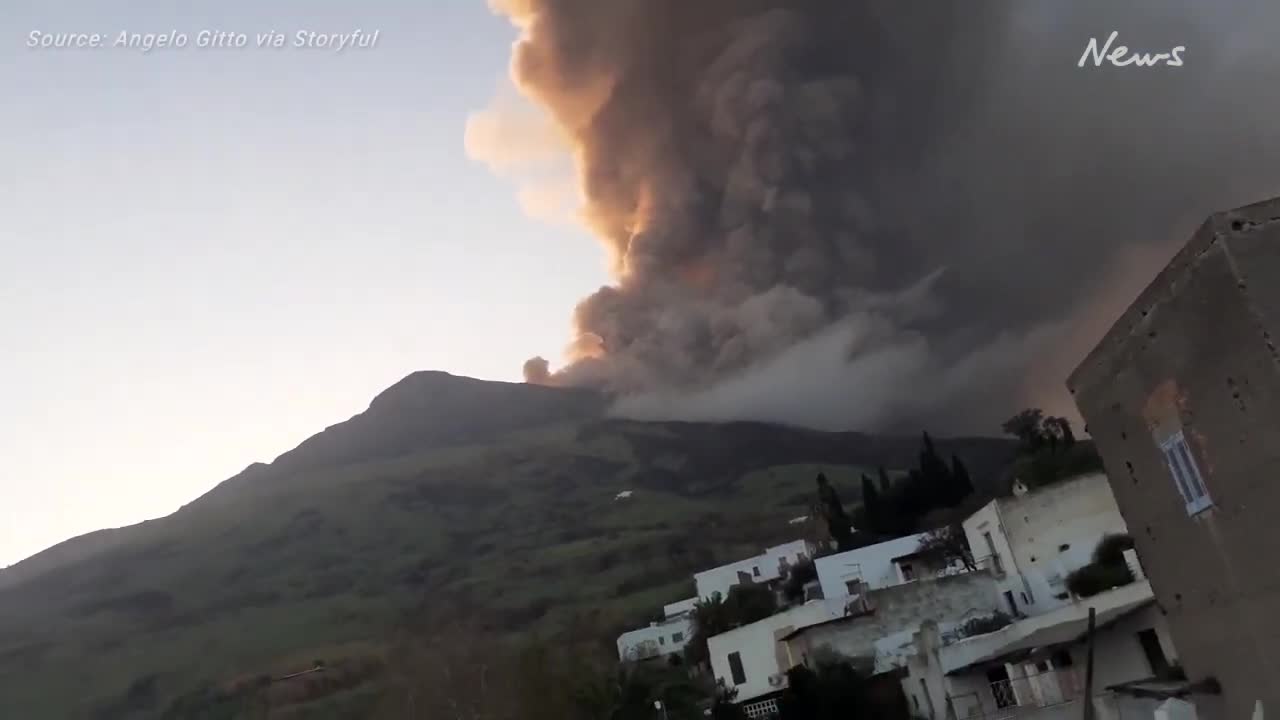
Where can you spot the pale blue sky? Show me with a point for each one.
(208, 255)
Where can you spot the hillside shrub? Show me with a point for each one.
(800, 574)
(1108, 569)
(1111, 549)
(984, 625)
(1095, 578)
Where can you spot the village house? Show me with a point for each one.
(666, 637)
(1033, 668)
(753, 659)
(1031, 665)
(993, 636)
(768, 567)
(873, 567)
(850, 618)
(670, 635)
(1033, 540)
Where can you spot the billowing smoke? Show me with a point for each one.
(537, 371)
(877, 213)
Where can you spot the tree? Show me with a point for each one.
(871, 506)
(717, 614)
(1049, 450)
(914, 498)
(1027, 426)
(1058, 429)
(886, 485)
(935, 474)
(710, 618)
(961, 483)
(799, 575)
(946, 545)
(629, 690)
(749, 603)
(833, 691)
(724, 707)
(838, 525)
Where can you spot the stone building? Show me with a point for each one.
(1182, 397)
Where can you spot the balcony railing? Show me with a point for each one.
(1021, 696)
(993, 563)
(1053, 687)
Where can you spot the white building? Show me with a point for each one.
(875, 622)
(754, 658)
(660, 639)
(1033, 666)
(888, 610)
(771, 565)
(1034, 541)
(876, 566)
(678, 608)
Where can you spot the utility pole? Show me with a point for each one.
(1088, 667)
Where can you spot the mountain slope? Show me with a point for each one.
(489, 502)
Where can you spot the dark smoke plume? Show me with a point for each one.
(882, 213)
(537, 371)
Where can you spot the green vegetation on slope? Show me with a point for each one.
(512, 531)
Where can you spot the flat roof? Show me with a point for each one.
(1041, 632)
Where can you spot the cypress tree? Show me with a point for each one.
(886, 485)
(872, 507)
(833, 512)
(936, 476)
(961, 483)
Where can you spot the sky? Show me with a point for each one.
(209, 254)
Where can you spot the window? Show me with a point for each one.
(755, 570)
(735, 668)
(851, 586)
(1186, 474)
(677, 637)
(1013, 605)
(1025, 600)
(997, 565)
(1150, 643)
(763, 709)
(1061, 659)
(1001, 687)
(908, 572)
(662, 640)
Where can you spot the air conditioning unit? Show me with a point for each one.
(777, 680)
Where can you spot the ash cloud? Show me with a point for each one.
(880, 214)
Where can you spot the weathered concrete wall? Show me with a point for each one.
(899, 611)
(1054, 531)
(1118, 655)
(1041, 537)
(1197, 352)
